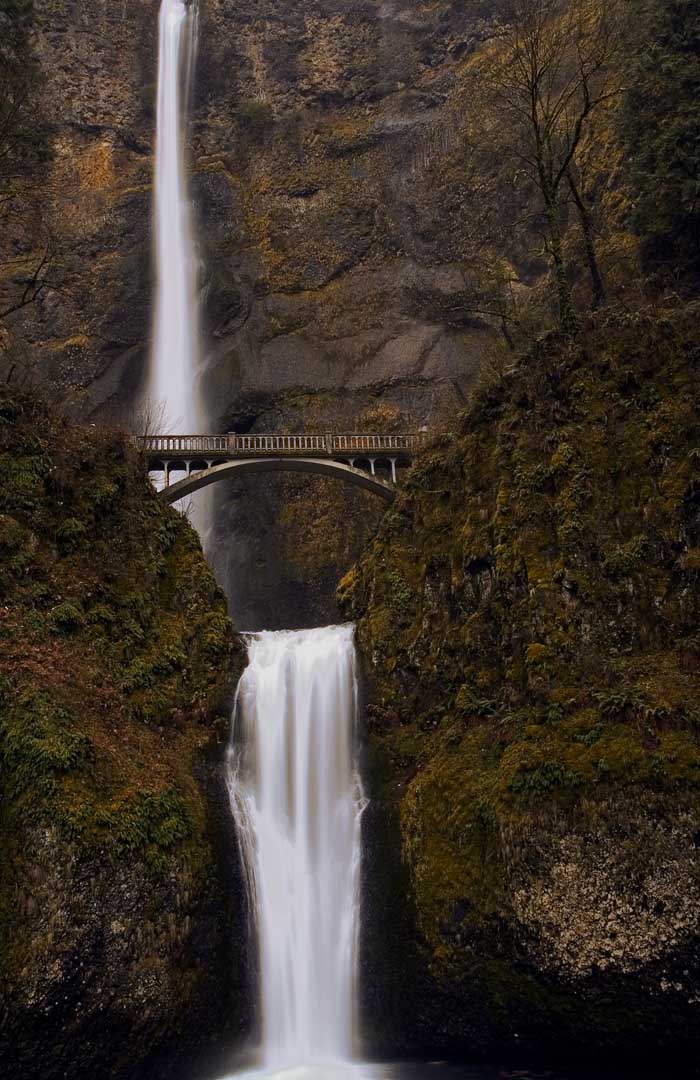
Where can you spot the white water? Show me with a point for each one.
(294, 786)
(172, 394)
(297, 802)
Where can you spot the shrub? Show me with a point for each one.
(37, 744)
(256, 118)
(70, 534)
(65, 618)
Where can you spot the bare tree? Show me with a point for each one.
(29, 284)
(149, 418)
(25, 146)
(589, 238)
(545, 80)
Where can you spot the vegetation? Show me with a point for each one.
(115, 642)
(660, 126)
(530, 607)
(22, 140)
(551, 75)
(256, 119)
(24, 147)
(115, 685)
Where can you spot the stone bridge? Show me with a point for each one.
(372, 462)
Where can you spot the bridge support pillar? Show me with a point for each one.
(166, 473)
(393, 470)
(372, 464)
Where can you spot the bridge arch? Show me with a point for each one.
(242, 467)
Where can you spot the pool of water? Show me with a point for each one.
(435, 1070)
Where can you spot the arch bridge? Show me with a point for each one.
(372, 462)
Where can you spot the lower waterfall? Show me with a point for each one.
(297, 802)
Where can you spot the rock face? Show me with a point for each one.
(316, 152)
(86, 337)
(123, 925)
(326, 174)
(325, 145)
(528, 617)
(528, 614)
(319, 132)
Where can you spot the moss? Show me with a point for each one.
(256, 119)
(70, 533)
(527, 616)
(115, 631)
(65, 618)
(38, 744)
(537, 654)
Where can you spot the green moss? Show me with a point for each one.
(70, 534)
(155, 823)
(38, 744)
(65, 618)
(529, 611)
(256, 118)
(537, 654)
(114, 632)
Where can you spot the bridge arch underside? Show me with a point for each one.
(196, 480)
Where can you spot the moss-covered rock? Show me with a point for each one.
(115, 672)
(528, 615)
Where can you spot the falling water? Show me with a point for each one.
(297, 802)
(172, 387)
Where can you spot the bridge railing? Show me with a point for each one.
(376, 443)
(277, 444)
(258, 445)
(164, 445)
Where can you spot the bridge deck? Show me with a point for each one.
(211, 447)
(356, 459)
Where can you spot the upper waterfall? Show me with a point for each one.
(173, 393)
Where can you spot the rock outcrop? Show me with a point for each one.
(528, 618)
(319, 134)
(356, 213)
(123, 929)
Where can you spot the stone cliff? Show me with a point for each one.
(362, 232)
(326, 174)
(372, 258)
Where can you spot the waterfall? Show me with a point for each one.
(297, 801)
(172, 386)
(291, 769)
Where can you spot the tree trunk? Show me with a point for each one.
(599, 292)
(567, 316)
